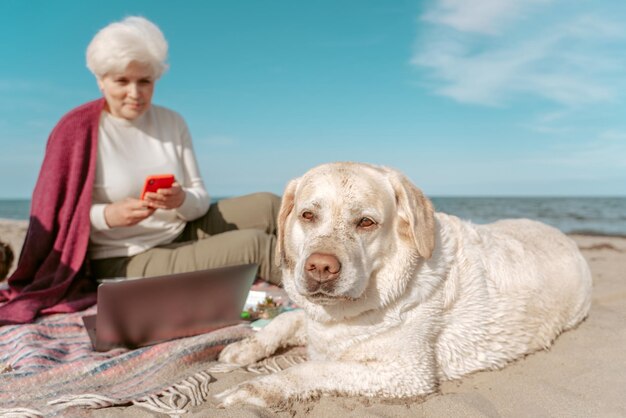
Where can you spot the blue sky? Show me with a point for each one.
(488, 97)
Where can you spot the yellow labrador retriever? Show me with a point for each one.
(396, 298)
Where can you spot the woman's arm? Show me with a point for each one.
(127, 212)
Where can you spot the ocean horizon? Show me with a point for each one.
(572, 215)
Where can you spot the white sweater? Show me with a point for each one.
(158, 142)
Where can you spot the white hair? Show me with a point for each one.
(132, 39)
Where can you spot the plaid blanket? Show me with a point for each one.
(48, 366)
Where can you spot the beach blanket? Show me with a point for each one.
(49, 366)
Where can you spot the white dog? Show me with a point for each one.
(396, 298)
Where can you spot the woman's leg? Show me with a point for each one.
(225, 249)
(255, 211)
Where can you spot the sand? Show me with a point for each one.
(582, 375)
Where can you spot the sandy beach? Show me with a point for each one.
(582, 375)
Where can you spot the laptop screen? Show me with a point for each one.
(148, 310)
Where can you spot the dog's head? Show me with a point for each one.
(350, 236)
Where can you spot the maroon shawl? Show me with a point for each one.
(50, 276)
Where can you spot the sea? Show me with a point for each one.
(582, 215)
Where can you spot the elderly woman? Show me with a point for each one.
(86, 204)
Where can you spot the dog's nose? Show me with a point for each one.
(322, 268)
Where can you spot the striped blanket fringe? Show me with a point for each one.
(192, 391)
(172, 401)
(20, 413)
(269, 365)
(276, 363)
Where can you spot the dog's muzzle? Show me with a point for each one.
(321, 272)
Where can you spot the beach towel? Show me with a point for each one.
(49, 366)
(50, 276)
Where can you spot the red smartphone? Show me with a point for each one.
(156, 182)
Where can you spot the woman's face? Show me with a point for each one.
(128, 93)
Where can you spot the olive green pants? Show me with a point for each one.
(240, 230)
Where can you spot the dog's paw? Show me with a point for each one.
(244, 352)
(256, 392)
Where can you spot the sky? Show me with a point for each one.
(480, 98)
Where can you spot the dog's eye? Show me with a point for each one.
(366, 223)
(308, 216)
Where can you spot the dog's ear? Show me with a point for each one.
(286, 207)
(416, 223)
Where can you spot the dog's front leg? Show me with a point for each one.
(287, 329)
(314, 378)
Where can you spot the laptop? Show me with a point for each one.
(135, 312)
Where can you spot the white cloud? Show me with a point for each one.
(489, 52)
(480, 16)
(551, 122)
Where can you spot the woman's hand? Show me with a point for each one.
(127, 212)
(170, 198)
